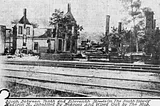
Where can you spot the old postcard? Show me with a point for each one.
(80, 52)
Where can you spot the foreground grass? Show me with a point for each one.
(20, 90)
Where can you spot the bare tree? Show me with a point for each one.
(137, 14)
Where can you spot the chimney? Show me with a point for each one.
(154, 23)
(119, 27)
(157, 29)
(25, 12)
(149, 20)
(107, 23)
(25, 16)
(69, 7)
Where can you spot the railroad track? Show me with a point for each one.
(88, 63)
(91, 82)
(14, 80)
(88, 82)
(80, 84)
(87, 76)
(106, 66)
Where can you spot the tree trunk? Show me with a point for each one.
(137, 49)
(136, 37)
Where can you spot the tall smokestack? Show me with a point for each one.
(119, 27)
(24, 19)
(107, 23)
(154, 23)
(69, 7)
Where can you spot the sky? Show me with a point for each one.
(91, 14)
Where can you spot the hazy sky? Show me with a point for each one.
(90, 14)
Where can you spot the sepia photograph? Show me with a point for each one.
(80, 48)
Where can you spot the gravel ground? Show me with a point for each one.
(19, 90)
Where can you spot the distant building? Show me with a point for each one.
(2, 38)
(23, 33)
(58, 40)
(52, 40)
(7, 39)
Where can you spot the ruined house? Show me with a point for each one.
(23, 34)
